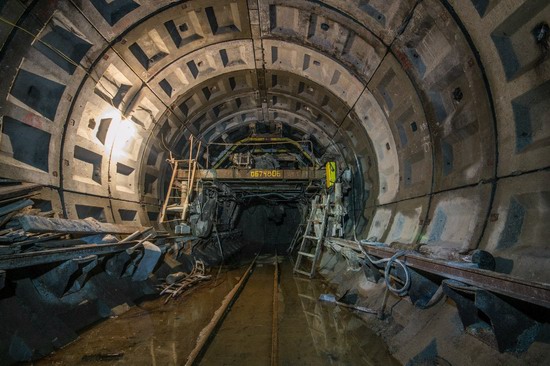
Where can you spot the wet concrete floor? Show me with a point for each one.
(309, 332)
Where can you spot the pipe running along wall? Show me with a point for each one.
(438, 106)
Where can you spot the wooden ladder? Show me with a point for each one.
(180, 189)
(310, 247)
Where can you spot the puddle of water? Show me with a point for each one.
(244, 337)
(319, 333)
(152, 333)
(309, 332)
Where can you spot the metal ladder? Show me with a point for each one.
(311, 239)
(297, 236)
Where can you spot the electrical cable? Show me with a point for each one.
(388, 267)
(61, 54)
(389, 261)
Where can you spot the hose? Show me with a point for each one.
(389, 261)
(389, 264)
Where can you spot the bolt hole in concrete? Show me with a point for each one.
(309, 332)
(457, 94)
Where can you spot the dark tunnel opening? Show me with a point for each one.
(270, 224)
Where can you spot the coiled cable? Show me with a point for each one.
(402, 291)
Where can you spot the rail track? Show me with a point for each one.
(246, 320)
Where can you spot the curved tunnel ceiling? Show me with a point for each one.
(438, 106)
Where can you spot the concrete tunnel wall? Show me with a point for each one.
(439, 106)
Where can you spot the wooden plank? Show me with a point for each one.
(17, 190)
(38, 224)
(30, 259)
(19, 205)
(13, 199)
(135, 234)
(61, 243)
(13, 236)
(4, 220)
(40, 238)
(207, 333)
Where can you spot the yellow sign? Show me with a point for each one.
(266, 174)
(331, 173)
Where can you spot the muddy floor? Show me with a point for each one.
(309, 332)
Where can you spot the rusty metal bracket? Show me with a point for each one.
(422, 290)
(371, 271)
(502, 326)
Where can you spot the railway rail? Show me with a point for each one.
(236, 305)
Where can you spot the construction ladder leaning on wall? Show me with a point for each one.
(314, 234)
(181, 188)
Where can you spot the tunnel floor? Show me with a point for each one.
(309, 332)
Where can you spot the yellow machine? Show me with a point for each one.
(330, 173)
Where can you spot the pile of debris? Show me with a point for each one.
(26, 228)
(30, 236)
(179, 282)
(15, 202)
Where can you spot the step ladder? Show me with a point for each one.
(312, 240)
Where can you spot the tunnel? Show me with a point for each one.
(433, 114)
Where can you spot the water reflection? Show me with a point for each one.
(149, 334)
(323, 333)
(309, 332)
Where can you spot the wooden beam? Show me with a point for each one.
(207, 333)
(29, 259)
(38, 224)
(15, 206)
(17, 190)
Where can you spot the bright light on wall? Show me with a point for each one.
(125, 132)
(121, 134)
